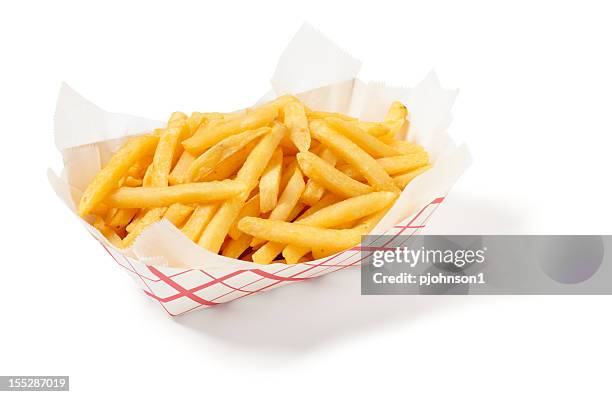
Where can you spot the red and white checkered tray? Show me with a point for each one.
(180, 291)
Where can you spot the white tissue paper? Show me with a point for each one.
(183, 276)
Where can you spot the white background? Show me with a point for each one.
(534, 107)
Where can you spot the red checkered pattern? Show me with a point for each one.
(180, 291)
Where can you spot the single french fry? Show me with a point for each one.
(363, 228)
(314, 191)
(177, 213)
(297, 123)
(279, 103)
(397, 111)
(373, 128)
(406, 147)
(213, 133)
(198, 220)
(164, 156)
(392, 165)
(294, 233)
(404, 179)
(177, 175)
(316, 115)
(329, 177)
(288, 170)
(250, 208)
(249, 174)
(108, 178)
(350, 209)
(149, 218)
(194, 121)
(257, 161)
(396, 119)
(354, 155)
(340, 213)
(179, 124)
(367, 142)
(189, 193)
(287, 201)
(269, 184)
(235, 248)
(146, 179)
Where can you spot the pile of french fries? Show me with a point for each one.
(277, 183)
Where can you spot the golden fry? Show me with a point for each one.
(122, 218)
(250, 208)
(198, 220)
(149, 218)
(177, 175)
(190, 193)
(177, 213)
(397, 111)
(287, 201)
(213, 133)
(228, 167)
(316, 115)
(270, 181)
(108, 178)
(354, 155)
(108, 232)
(406, 147)
(367, 142)
(334, 215)
(314, 191)
(297, 123)
(404, 179)
(206, 162)
(329, 177)
(235, 248)
(373, 128)
(392, 165)
(164, 156)
(340, 213)
(294, 233)
(249, 174)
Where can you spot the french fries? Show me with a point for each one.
(189, 193)
(108, 178)
(269, 184)
(367, 142)
(279, 183)
(297, 123)
(329, 177)
(249, 174)
(327, 217)
(353, 155)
